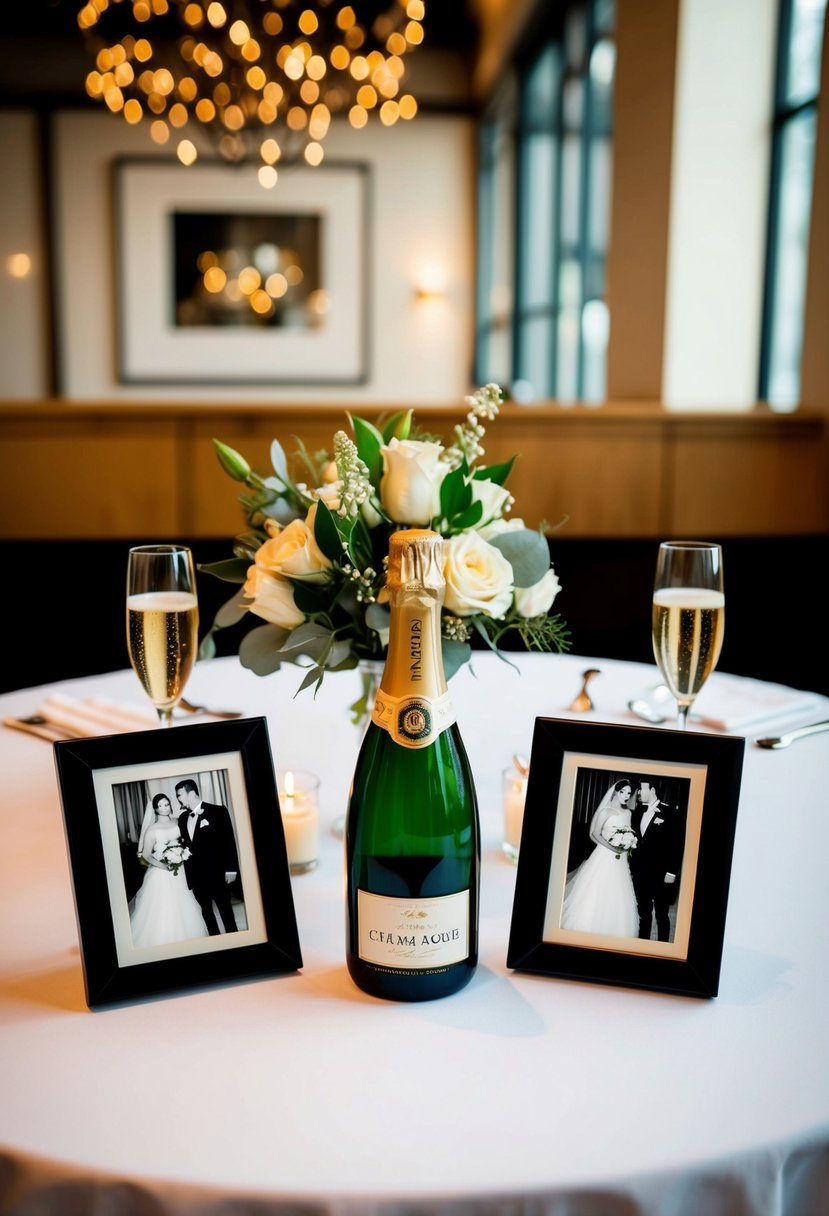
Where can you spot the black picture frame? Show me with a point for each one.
(572, 763)
(100, 781)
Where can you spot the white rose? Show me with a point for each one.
(294, 553)
(478, 577)
(329, 494)
(493, 498)
(500, 525)
(273, 598)
(538, 599)
(410, 485)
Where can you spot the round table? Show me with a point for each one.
(520, 1094)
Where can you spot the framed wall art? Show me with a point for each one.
(221, 280)
(625, 856)
(178, 859)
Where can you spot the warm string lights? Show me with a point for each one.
(256, 74)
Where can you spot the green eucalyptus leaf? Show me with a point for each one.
(340, 657)
(455, 655)
(232, 570)
(368, 441)
(527, 552)
(326, 532)
(309, 638)
(495, 472)
(314, 675)
(207, 649)
(231, 612)
(260, 650)
(398, 426)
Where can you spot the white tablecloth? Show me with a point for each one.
(519, 1094)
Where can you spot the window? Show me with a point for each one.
(792, 168)
(544, 210)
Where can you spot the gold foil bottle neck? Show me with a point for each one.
(416, 556)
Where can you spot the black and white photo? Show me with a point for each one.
(625, 855)
(179, 865)
(180, 858)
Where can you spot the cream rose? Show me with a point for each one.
(329, 493)
(294, 553)
(273, 598)
(538, 599)
(410, 485)
(492, 497)
(478, 577)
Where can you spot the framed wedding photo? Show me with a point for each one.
(178, 859)
(625, 856)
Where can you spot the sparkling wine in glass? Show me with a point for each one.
(162, 622)
(688, 617)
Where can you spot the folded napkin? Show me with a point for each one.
(736, 703)
(96, 715)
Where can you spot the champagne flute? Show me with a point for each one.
(162, 622)
(688, 620)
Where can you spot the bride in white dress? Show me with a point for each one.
(599, 895)
(165, 909)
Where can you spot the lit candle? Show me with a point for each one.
(300, 818)
(514, 791)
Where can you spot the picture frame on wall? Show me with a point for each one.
(223, 281)
(178, 859)
(625, 855)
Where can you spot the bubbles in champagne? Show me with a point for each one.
(688, 628)
(162, 636)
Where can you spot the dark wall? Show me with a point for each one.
(776, 621)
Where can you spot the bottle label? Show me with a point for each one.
(413, 934)
(413, 721)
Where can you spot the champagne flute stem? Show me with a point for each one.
(165, 716)
(682, 717)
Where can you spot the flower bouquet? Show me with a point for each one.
(171, 853)
(622, 839)
(312, 561)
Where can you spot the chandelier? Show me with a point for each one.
(261, 77)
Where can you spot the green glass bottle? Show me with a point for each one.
(412, 835)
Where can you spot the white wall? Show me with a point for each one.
(422, 212)
(719, 199)
(23, 316)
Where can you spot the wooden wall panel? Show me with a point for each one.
(89, 478)
(614, 472)
(772, 484)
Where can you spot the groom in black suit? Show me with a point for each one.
(214, 861)
(655, 862)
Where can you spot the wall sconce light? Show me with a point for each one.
(430, 282)
(19, 265)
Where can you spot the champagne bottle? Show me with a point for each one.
(412, 835)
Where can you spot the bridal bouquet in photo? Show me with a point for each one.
(311, 564)
(172, 854)
(622, 839)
